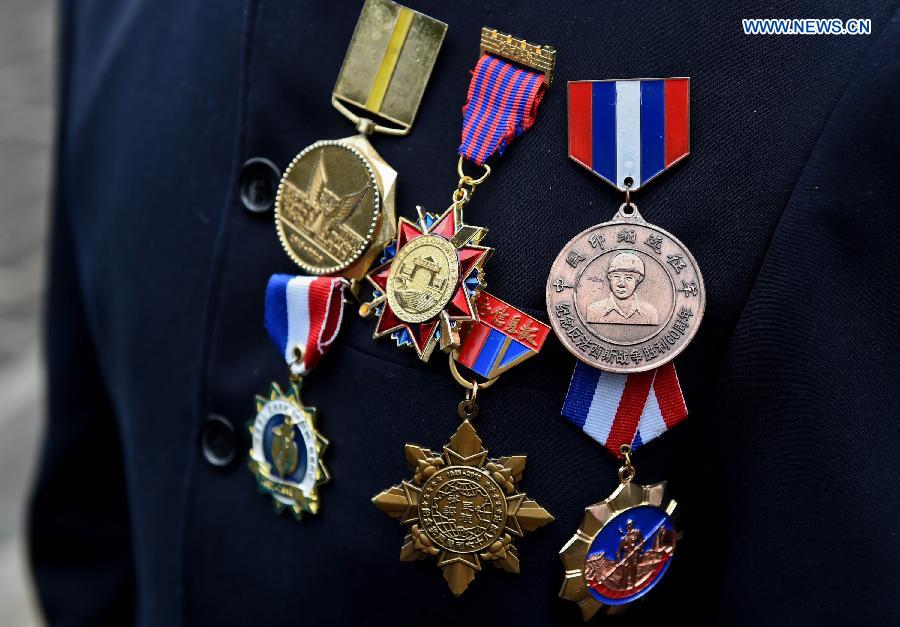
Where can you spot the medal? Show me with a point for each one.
(334, 210)
(622, 548)
(462, 507)
(624, 297)
(303, 317)
(430, 276)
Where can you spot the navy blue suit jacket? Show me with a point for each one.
(786, 468)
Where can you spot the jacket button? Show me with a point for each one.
(218, 441)
(259, 184)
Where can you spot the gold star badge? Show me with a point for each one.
(463, 508)
(286, 452)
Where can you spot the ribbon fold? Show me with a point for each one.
(306, 313)
(616, 409)
(501, 104)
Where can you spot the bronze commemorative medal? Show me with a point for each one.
(624, 297)
(426, 285)
(462, 507)
(335, 211)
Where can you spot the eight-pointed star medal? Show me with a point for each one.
(462, 508)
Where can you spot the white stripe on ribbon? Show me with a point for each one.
(297, 296)
(604, 406)
(651, 424)
(628, 132)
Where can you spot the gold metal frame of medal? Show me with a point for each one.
(574, 554)
(335, 208)
(625, 296)
(272, 478)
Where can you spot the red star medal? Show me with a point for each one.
(428, 281)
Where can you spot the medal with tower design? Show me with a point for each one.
(334, 210)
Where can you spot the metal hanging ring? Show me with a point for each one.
(467, 411)
(296, 364)
(628, 206)
(469, 179)
(472, 395)
(460, 196)
(627, 472)
(469, 385)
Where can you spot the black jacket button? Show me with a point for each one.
(218, 441)
(259, 184)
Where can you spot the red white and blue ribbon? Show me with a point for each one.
(501, 338)
(616, 409)
(502, 104)
(632, 129)
(306, 313)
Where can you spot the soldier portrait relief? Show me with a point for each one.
(623, 305)
(623, 296)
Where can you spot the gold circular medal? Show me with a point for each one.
(327, 208)
(462, 509)
(423, 278)
(625, 296)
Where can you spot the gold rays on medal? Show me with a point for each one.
(462, 507)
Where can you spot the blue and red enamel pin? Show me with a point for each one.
(624, 297)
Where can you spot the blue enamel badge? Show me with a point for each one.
(286, 453)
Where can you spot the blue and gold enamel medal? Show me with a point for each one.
(303, 317)
(286, 452)
(622, 548)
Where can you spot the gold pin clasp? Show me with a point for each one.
(534, 56)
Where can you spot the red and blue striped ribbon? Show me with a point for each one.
(502, 103)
